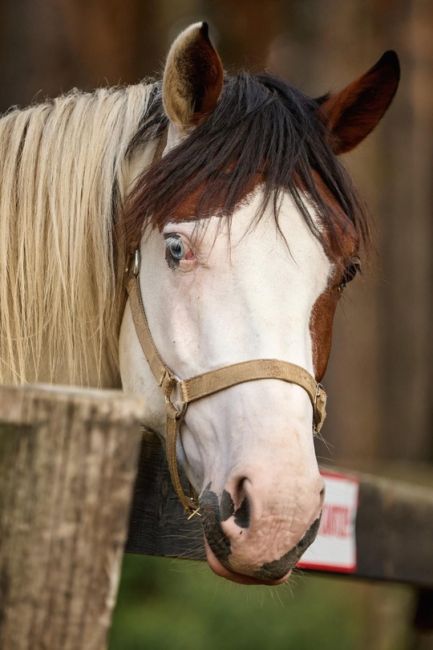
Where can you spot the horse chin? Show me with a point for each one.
(223, 572)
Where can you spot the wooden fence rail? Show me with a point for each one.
(68, 461)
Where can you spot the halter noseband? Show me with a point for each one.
(208, 383)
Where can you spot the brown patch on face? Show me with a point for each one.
(322, 314)
(188, 209)
(321, 321)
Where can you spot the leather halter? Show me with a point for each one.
(179, 393)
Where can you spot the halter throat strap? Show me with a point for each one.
(179, 393)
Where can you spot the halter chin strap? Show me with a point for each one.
(179, 393)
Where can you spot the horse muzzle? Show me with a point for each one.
(253, 540)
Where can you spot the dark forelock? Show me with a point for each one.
(261, 125)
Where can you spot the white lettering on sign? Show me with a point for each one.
(334, 548)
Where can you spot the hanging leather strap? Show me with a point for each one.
(178, 393)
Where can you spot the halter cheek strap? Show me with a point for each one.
(179, 393)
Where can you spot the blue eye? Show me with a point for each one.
(174, 250)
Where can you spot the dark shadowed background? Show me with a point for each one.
(380, 377)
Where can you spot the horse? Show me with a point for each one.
(194, 234)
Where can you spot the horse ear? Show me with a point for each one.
(193, 77)
(352, 114)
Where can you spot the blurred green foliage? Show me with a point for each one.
(177, 605)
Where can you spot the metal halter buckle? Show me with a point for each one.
(170, 384)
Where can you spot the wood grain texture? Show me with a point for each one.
(67, 466)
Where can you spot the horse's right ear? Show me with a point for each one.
(352, 113)
(193, 77)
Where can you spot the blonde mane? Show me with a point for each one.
(61, 171)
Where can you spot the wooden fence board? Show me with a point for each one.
(67, 467)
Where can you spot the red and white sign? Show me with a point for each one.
(334, 548)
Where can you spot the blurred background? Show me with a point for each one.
(380, 377)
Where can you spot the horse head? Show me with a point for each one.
(249, 230)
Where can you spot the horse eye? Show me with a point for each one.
(175, 249)
(350, 271)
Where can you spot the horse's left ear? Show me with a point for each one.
(193, 77)
(352, 114)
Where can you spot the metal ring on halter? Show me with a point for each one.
(136, 263)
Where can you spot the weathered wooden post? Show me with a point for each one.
(67, 466)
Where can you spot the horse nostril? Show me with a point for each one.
(243, 512)
(322, 496)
